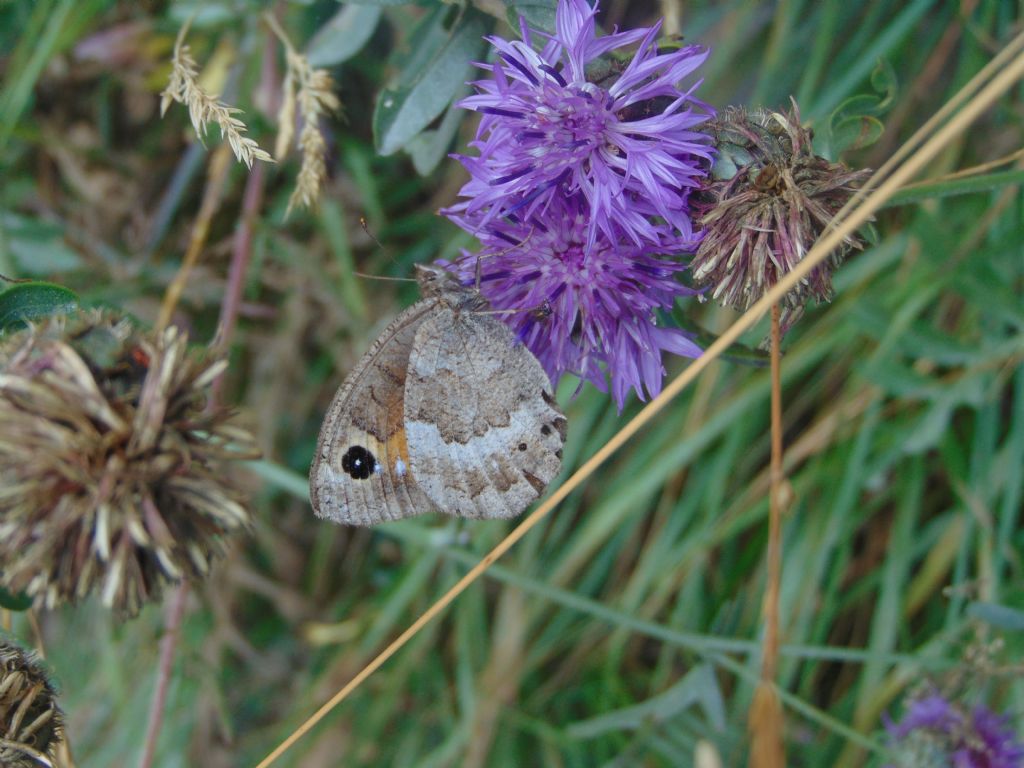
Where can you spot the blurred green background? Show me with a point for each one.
(626, 626)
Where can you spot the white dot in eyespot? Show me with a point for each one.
(400, 468)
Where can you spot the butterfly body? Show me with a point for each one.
(446, 412)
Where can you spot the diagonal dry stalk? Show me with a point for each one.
(986, 95)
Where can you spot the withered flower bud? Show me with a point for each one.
(769, 200)
(31, 723)
(113, 471)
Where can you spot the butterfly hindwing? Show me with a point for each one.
(484, 432)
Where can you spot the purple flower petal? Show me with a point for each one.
(602, 297)
(546, 131)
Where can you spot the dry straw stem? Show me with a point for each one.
(312, 90)
(987, 95)
(204, 108)
(215, 178)
(998, 64)
(765, 719)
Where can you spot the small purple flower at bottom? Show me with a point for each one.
(938, 729)
(579, 309)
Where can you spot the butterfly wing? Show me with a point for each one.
(484, 432)
(361, 472)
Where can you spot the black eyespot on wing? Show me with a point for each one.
(358, 462)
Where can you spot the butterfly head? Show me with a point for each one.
(438, 282)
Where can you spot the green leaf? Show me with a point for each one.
(344, 35)
(379, 2)
(699, 686)
(11, 602)
(854, 123)
(736, 353)
(430, 146)
(539, 14)
(856, 132)
(999, 616)
(37, 247)
(434, 65)
(33, 301)
(962, 186)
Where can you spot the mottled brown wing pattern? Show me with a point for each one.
(485, 434)
(361, 472)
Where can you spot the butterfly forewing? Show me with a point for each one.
(361, 471)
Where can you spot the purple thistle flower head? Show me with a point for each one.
(579, 308)
(940, 730)
(574, 119)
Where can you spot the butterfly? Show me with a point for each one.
(446, 412)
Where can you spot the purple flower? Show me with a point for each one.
(936, 727)
(570, 119)
(578, 306)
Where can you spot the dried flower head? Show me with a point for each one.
(31, 723)
(770, 199)
(113, 470)
(203, 108)
(581, 117)
(580, 309)
(936, 731)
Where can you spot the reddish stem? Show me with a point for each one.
(168, 643)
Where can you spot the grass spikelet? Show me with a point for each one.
(204, 108)
(312, 91)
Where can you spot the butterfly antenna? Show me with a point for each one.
(366, 228)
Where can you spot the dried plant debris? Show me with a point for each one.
(204, 108)
(113, 470)
(770, 200)
(311, 91)
(31, 723)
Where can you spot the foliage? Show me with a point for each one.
(624, 630)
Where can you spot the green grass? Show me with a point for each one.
(625, 627)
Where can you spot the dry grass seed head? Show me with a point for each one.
(203, 108)
(311, 91)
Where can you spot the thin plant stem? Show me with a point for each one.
(215, 178)
(168, 644)
(766, 721)
(240, 258)
(212, 196)
(241, 255)
(776, 501)
(1001, 82)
